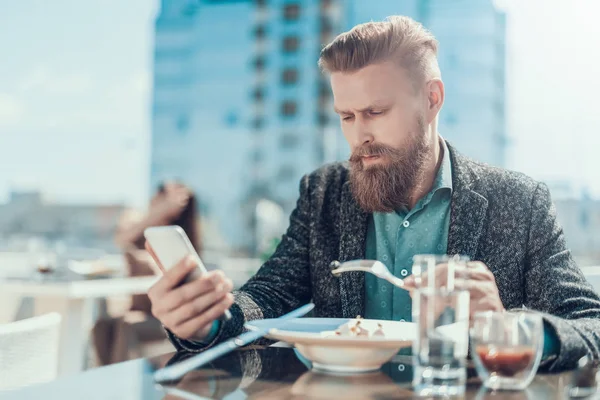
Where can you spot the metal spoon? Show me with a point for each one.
(374, 267)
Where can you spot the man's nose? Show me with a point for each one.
(364, 135)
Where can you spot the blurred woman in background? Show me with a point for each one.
(122, 338)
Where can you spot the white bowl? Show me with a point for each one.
(342, 354)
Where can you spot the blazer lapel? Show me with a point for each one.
(468, 209)
(353, 228)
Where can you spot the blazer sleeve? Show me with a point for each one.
(555, 285)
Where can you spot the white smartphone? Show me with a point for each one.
(170, 245)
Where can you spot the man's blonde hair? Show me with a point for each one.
(397, 38)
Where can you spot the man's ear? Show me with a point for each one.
(435, 99)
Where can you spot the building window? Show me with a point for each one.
(326, 28)
(260, 32)
(324, 88)
(289, 108)
(260, 63)
(183, 124)
(189, 10)
(257, 157)
(286, 173)
(324, 93)
(325, 4)
(499, 75)
(326, 25)
(289, 141)
(322, 119)
(258, 94)
(258, 189)
(291, 12)
(289, 76)
(291, 44)
(258, 123)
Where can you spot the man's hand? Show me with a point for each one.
(190, 309)
(476, 278)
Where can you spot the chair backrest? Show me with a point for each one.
(29, 351)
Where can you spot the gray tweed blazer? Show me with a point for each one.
(505, 219)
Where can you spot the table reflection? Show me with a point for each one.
(375, 385)
(273, 373)
(251, 370)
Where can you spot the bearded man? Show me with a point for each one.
(405, 191)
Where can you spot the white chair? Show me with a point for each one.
(29, 351)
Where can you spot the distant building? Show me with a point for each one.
(241, 110)
(200, 104)
(27, 215)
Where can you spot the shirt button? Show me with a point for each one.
(406, 224)
(402, 320)
(404, 272)
(401, 367)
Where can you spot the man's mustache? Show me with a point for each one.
(372, 150)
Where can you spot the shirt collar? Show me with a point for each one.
(443, 179)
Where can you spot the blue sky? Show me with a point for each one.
(74, 95)
(74, 84)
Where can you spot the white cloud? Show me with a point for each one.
(11, 110)
(136, 87)
(34, 79)
(127, 101)
(141, 82)
(43, 79)
(78, 101)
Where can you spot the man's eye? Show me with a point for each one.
(375, 112)
(347, 118)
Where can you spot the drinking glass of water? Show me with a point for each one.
(441, 311)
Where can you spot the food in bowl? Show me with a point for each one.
(353, 328)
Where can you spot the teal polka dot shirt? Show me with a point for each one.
(394, 238)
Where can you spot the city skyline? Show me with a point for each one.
(75, 81)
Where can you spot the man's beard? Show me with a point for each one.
(387, 186)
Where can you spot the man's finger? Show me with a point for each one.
(474, 271)
(477, 265)
(175, 275)
(476, 289)
(194, 308)
(189, 328)
(484, 304)
(192, 290)
(440, 278)
(480, 275)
